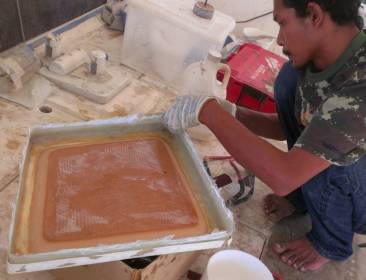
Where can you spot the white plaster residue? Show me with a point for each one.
(75, 221)
(71, 220)
(71, 165)
(134, 155)
(160, 185)
(130, 119)
(65, 225)
(175, 216)
(137, 156)
(337, 102)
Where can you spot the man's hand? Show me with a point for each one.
(185, 112)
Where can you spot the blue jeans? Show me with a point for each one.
(335, 199)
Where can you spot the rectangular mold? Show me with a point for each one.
(204, 189)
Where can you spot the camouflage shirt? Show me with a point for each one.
(331, 106)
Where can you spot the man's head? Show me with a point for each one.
(305, 23)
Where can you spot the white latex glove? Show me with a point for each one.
(184, 113)
(227, 106)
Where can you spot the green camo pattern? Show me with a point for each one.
(333, 111)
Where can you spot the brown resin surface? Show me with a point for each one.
(110, 192)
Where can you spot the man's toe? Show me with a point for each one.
(269, 199)
(287, 256)
(279, 248)
(269, 208)
(301, 260)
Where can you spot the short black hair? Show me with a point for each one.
(341, 11)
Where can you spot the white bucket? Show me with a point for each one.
(235, 265)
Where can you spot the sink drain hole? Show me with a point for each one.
(45, 109)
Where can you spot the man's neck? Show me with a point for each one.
(333, 45)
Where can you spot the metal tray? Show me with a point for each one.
(205, 190)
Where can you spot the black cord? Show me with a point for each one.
(265, 14)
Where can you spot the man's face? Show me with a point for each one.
(295, 34)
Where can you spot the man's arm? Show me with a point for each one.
(262, 124)
(282, 171)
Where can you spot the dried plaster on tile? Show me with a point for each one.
(13, 144)
(14, 124)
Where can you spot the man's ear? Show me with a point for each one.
(315, 14)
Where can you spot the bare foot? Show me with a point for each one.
(277, 207)
(300, 254)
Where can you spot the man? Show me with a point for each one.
(323, 119)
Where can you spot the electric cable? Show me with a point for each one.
(256, 17)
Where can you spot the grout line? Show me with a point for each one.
(256, 17)
(263, 248)
(20, 20)
(8, 181)
(261, 234)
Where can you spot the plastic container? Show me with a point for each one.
(236, 265)
(253, 73)
(220, 217)
(163, 37)
(200, 78)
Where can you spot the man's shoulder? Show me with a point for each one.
(359, 57)
(353, 73)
